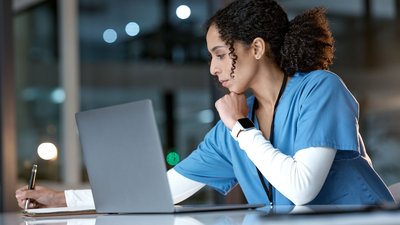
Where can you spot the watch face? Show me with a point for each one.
(246, 123)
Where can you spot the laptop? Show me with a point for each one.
(125, 162)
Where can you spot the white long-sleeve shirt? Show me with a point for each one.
(180, 186)
(299, 178)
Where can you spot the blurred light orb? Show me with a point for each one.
(47, 151)
(206, 116)
(183, 12)
(132, 29)
(110, 36)
(58, 95)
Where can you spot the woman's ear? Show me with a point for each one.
(259, 47)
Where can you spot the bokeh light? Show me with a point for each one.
(183, 12)
(47, 151)
(110, 36)
(132, 29)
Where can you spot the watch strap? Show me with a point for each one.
(236, 129)
(241, 125)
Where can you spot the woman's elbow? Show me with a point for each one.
(303, 197)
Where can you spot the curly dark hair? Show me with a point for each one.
(303, 44)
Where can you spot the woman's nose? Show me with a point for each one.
(214, 70)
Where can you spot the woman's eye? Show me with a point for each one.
(221, 56)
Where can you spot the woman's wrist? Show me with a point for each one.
(60, 199)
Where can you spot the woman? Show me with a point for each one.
(294, 141)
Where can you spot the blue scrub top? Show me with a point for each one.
(315, 110)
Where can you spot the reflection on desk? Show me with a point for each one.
(279, 215)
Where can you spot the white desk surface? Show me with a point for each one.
(236, 217)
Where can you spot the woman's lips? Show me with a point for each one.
(224, 83)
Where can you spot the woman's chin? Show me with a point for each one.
(235, 90)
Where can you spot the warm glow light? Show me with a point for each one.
(183, 12)
(47, 151)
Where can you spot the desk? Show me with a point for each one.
(237, 217)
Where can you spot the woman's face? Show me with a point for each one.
(221, 62)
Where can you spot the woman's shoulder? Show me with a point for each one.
(325, 78)
(320, 84)
(319, 75)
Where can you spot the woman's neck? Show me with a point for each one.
(266, 85)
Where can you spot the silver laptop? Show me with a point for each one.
(125, 163)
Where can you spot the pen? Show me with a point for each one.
(31, 184)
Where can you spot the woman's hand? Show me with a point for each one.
(232, 107)
(41, 197)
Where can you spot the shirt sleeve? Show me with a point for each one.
(79, 198)
(299, 178)
(328, 116)
(182, 187)
(210, 163)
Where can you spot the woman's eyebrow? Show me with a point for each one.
(216, 47)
